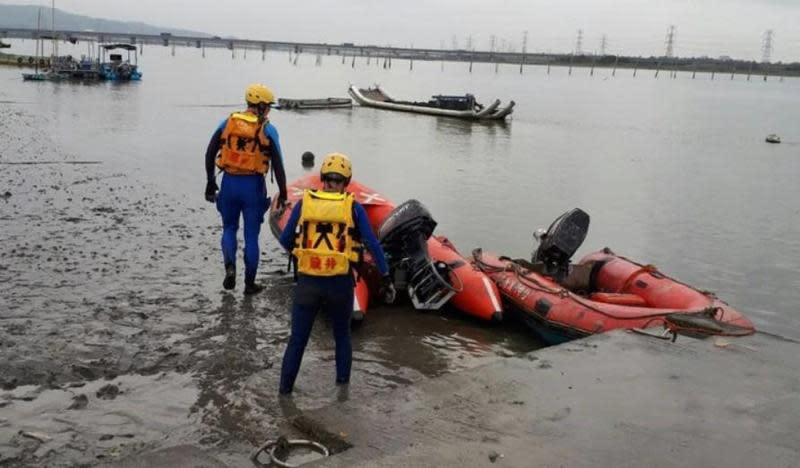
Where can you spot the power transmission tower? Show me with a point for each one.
(766, 46)
(670, 42)
(579, 43)
(524, 49)
(603, 43)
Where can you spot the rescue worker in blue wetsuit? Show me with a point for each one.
(244, 147)
(325, 233)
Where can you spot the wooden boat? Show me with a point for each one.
(773, 138)
(472, 291)
(324, 103)
(462, 107)
(614, 293)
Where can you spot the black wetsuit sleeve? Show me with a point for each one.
(280, 174)
(211, 154)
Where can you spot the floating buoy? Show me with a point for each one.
(308, 159)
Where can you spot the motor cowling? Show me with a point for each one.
(403, 236)
(560, 242)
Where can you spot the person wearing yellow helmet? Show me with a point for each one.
(245, 147)
(325, 233)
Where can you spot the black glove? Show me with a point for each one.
(211, 191)
(282, 204)
(388, 293)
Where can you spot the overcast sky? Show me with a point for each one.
(632, 27)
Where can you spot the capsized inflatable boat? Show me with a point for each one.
(604, 291)
(429, 267)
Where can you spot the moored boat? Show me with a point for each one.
(323, 103)
(117, 68)
(773, 138)
(462, 107)
(34, 76)
(467, 288)
(602, 292)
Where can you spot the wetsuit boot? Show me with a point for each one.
(250, 287)
(230, 276)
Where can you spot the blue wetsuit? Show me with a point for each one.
(245, 196)
(331, 294)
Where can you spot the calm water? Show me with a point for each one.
(674, 172)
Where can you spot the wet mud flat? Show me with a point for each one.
(117, 340)
(619, 399)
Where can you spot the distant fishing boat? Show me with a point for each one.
(324, 103)
(462, 107)
(117, 69)
(773, 138)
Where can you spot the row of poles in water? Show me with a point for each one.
(387, 64)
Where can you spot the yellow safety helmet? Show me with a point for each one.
(337, 163)
(257, 93)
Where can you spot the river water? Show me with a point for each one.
(110, 272)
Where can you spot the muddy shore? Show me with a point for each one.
(117, 339)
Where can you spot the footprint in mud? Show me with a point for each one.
(545, 365)
(108, 392)
(79, 402)
(560, 414)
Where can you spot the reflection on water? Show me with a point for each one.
(458, 127)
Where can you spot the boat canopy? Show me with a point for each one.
(461, 103)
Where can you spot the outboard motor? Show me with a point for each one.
(403, 236)
(560, 242)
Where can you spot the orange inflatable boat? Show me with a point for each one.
(448, 278)
(602, 292)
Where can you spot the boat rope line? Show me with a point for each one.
(667, 335)
(711, 294)
(644, 269)
(660, 316)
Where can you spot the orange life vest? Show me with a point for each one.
(244, 148)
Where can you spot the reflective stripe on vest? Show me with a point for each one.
(326, 243)
(244, 149)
